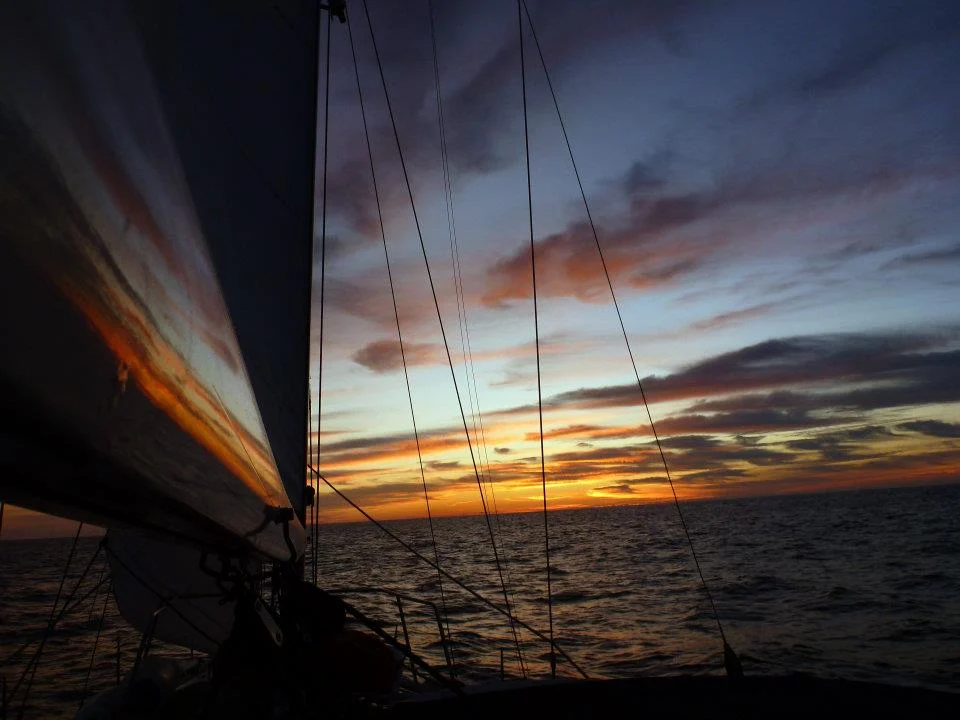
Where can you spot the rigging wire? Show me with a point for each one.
(67, 608)
(451, 221)
(323, 277)
(93, 655)
(730, 658)
(314, 44)
(470, 375)
(93, 602)
(452, 233)
(452, 578)
(396, 314)
(3, 678)
(536, 332)
(313, 480)
(446, 345)
(51, 621)
(375, 627)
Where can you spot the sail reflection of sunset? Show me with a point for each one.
(98, 213)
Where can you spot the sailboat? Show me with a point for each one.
(157, 188)
(154, 362)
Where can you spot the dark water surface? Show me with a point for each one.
(861, 585)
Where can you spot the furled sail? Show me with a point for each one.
(156, 174)
(163, 590)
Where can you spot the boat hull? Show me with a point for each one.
(686, 697)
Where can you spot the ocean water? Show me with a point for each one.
(861, 585)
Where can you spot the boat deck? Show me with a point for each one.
(792, 696)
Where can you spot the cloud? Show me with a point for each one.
(757, 167)
(803, 156)
(643, 177)
(350, 195)
(383, 356)
(732, 317)
(933, 428)
(891, 32)
(910, 364)
(807, 376)
(669, 236)
(388, 493)
(685, 455)
(568, 264)
(841, 445)
(743, 421)
(723, 454)
(714, 474)
(689, 442)
(923, 385)
(942, 255)
(384, 449)
(483, 110)
(366, 297)
(478, 54)
(620, 489)
(591, 432)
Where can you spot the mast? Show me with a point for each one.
(300, 505)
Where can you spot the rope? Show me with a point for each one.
(536, 332)
(396, 315)
(51, 621)
(728, 651)
(413, 551)
(323, 279)
(446, 345)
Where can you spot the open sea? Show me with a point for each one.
(861, 585)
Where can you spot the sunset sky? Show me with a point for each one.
(776, 186)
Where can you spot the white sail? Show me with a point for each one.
(157, 375)
(163, 591)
